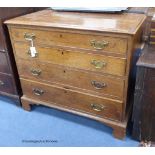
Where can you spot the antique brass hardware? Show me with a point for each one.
(1, 83)
(98, 85)
(38, 92)
(99, 45)
(32, 50)
(29, 36)
(97, 107)
(98, 64)
(35, 72)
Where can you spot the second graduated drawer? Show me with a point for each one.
(101, 84)
(74, 58)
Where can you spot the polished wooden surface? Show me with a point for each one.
(73, 99)
(119, 23)
(72, 78)
(72, 39)
(71, 52)
(76, 59)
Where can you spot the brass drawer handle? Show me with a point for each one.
(35, 72)
(98, 64)
(98, 85)
(1, 83)
(99, 45)
(97, 107)
(32, 50)
(29, 36)
(38, 92)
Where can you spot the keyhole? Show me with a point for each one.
(64, 71)
(62, 53)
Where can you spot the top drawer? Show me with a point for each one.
(71, 39)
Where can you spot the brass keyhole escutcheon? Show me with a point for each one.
(61, 51)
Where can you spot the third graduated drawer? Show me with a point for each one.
(74, 58)
(74, 100)
(100, 84)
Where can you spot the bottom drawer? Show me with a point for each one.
(7, 84)
(101, 107)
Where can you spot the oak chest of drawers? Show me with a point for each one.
(77, 62)
(9, 80)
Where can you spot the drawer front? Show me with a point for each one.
(101, 107)
(104, 85)
(76, 59)
(6, 84)
(4, 66)
(84, 41)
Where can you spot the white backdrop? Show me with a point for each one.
(77, 3)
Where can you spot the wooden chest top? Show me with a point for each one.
(126, 23)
